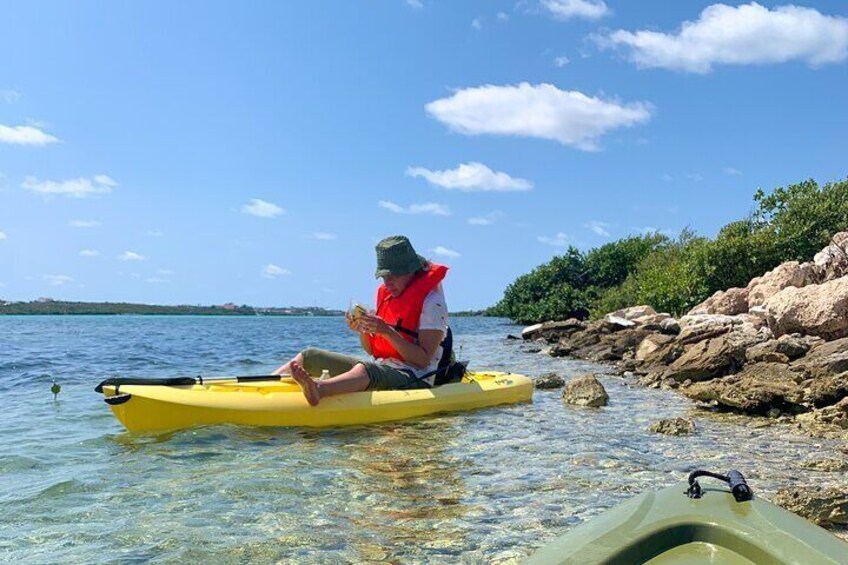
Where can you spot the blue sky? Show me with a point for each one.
(202, 153)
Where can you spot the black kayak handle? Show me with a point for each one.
(738, 485)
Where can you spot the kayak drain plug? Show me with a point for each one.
(738, 486)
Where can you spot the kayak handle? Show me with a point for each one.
(738, 485)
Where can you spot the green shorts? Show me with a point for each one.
(380, 377)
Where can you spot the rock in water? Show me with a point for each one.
(674, 426)
(823, 506)
(585, 390)
(549, 381)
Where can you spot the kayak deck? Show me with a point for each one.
(668, 527)
(144, 408)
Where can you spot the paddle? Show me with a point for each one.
(184, 381)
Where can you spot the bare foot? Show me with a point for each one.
(310, 387)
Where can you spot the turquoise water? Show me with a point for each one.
(480, 487)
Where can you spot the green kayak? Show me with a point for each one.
(687, 524)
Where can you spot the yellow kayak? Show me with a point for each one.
(280, 402)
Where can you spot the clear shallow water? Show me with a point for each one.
(480, 487)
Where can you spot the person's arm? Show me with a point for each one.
(417, 354)
(354, 324)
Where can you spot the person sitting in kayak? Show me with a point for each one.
(404, 336)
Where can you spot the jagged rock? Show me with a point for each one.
(670, 326)
(610, 324)
(826, 465)
(650, 344)
(756, 390)
(699, 327)
(831, 421)
(634, 312)
(796, 345)
(511, 337)
(586, 390)
(824, 359)
(825, 391)
(816, 309)
(652, 322)
(549, 381)
(729, 302)
(832, 261)
(558, 350)
(825, 506)
(785, 275)
(552, 330)
(673, 426)
(706, 360)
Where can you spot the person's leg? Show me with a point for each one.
(315, 360)
(354, 380)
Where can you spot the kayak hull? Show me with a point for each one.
(668, 527)
(147, 408)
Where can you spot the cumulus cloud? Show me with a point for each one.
(732, 171)
(744, 35)
(25, 135)
(471, 177)
(2, 236)
(568, 9)
(426, 208)
(486, 220)
(445, 252)
(89, 253)
(503, 16)
(271, 271)
(75, 188)
(58, 280)
(9, 96)
(84, 223)
(323, 235)
(542, 110)
(477, 24)
(131, 256)
(599, 228)
(561, 61)
(262, 209)
(559, 240)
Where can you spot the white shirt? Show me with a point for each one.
(434, 316)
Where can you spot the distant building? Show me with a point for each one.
(229, 306)
(45, 299)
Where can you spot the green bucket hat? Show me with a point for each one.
(396, 256)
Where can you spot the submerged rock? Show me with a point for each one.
(586, 390)
(549, 381)
(823, 506)
(673, 426)
(826, 465)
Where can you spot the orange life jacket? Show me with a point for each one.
(403, 312)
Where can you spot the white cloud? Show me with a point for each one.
(561, 61)
(599, 228)
(567, 9)
(131, 256)
(476, 24)
(2, 236)
(732, 171)
(414, 4)
(155, 233)
(58, 280)
(471, 177)
(25, 135)
(165, 272)
(559, 240)
(745, 35)
(89, 253)
(323, 235)
(426, 208)
(9, 96)
(262, 209)
(486, 220)
(76, 188)
(84, 224)
(543, 110)
(445, 252)
(272, 271)
(503, 16)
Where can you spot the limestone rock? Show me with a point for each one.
(707, 360)
(729, 302)
(585, 390)
(826, 465)
(634, 312)
(785, 275)
(756, 390)
(650, 344)
(825, 506)
(832, 261)
(670, 326)
(552, 330)
(831, 421)
(673, 426)
(817, 309)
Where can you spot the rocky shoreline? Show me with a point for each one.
(776, 349)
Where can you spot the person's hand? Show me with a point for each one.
(353, 323)
(371, 324)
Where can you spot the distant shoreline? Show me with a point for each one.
(62, 308)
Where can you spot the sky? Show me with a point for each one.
(213, 152)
